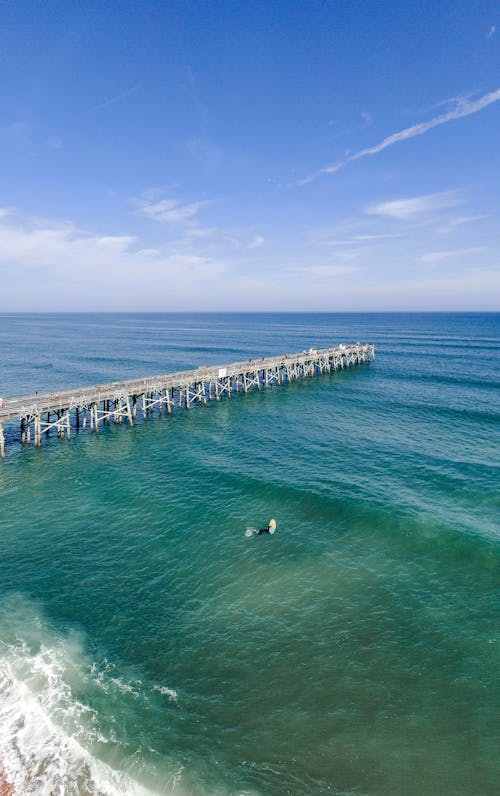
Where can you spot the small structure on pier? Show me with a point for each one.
(88, 407)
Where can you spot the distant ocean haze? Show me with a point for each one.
(148, 646)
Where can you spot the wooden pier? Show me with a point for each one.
(65, 411)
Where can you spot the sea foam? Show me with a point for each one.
(49, 737)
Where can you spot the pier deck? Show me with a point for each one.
(62, 411)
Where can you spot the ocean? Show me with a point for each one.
(147, 646)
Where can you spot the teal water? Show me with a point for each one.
(148, 646)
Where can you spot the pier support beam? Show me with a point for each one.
(38, 432)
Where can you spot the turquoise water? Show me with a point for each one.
(148, 646)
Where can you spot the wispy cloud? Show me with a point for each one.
(170, 211)
(183, 218)
(197, 232)
(7, 211)
(453, 223)
(491, 32)
(42, 242)
(257, 242)
(457, 222)
(365, 238)
(114, 100)
(40, 249)
(411, 208)
(178, 272)
(436, 257)
(464, 107)
(336, 237)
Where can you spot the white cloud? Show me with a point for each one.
(202, 232)
(491, 32)
(40, 242)
(372, 238)
(436, 257)
(183, 217)
(148, 252)
(66, 266)
(46, 264)
(464, 107)
(355, 246)
(170, 211)
(457, 222)
(351, 232)
(7, 211)
(404, 209)
(257, 242)
(451, 224)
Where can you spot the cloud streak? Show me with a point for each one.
(171, 211)
(114, 100)
(436, 257)
(464, 107)
(404, 209)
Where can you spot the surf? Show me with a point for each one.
(52, 741)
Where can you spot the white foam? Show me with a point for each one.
(163, 689)
(48, 737)
(43, 730)
(127, 687)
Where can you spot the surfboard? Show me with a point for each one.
(271, 528)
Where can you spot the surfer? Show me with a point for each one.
(270, 528)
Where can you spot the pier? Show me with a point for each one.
(64, 411)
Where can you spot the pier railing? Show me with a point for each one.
(62, 411)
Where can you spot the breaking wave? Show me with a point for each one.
(52, 741)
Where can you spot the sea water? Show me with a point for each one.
(148, 647)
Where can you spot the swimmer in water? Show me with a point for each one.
(270, 528)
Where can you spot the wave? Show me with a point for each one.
(53, 742)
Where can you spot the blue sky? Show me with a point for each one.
(236, 155)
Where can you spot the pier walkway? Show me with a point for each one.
(65, 410)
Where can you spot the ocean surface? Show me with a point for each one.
(148, 647)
